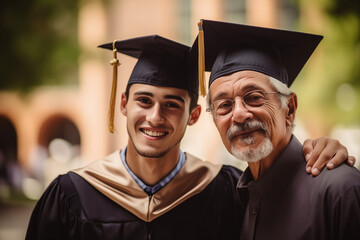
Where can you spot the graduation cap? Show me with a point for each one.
(161, 62)
(231, 47)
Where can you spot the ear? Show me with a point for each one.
(194, 115)
(291, 109)
(123, 104)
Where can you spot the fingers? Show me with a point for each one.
(351, 160)
(307, 148)
(323, 152)
(338, 158)
(312, 157)
(324, 156)
(327, 152)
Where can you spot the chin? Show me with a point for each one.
(150, 153)
(251, 152)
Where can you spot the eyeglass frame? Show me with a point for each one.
(211, 108)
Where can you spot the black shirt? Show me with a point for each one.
(287, 203)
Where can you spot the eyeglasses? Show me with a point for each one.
(223, 108)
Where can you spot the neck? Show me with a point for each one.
(151, 170)
(259, 168)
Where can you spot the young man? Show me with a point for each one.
(150, 189)
(254, 112)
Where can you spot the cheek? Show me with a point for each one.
(270, 116)
(219, 125)
(135, 114)
(271, 109)
(178, 122)
(222, 125)
(275, 118)
(177, 119)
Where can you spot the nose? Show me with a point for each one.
(155, 115)
(240, 112)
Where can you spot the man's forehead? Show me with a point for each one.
(239, 81)
(150, 90)
(243, 75)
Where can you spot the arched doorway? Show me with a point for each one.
(59, 138)
(61, 127)
(10, 172)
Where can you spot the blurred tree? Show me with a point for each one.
(343, 48)
(38, 43)
(331, 86)
(345, 15)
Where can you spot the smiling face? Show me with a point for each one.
(157, 118)
(251, 134)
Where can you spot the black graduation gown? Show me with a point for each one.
(287, 203)
(71, 208)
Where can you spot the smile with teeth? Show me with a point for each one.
(154, 133)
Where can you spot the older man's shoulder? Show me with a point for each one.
(337, 181)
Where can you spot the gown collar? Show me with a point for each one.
(110, 177)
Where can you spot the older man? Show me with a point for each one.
(254, 112)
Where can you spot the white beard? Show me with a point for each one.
(250, 155)
(253, 155)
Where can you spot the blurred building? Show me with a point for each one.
(53, 129)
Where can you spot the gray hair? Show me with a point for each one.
(284, 91)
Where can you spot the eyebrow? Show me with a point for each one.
(245, 89)
(252, 87)
(220, 95)
(175, 97)
(144, 93)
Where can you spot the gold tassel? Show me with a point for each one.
(115, 63)
(201, 61)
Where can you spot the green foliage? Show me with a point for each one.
(342, 60)
(345, 16)
(38, 43)
(332, 88)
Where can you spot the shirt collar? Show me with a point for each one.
(151, 190)
(283, 168)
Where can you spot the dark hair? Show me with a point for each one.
(193, 97)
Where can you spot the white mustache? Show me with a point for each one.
(240, 127)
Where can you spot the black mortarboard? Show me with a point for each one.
(161, 62)
(233, 47)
